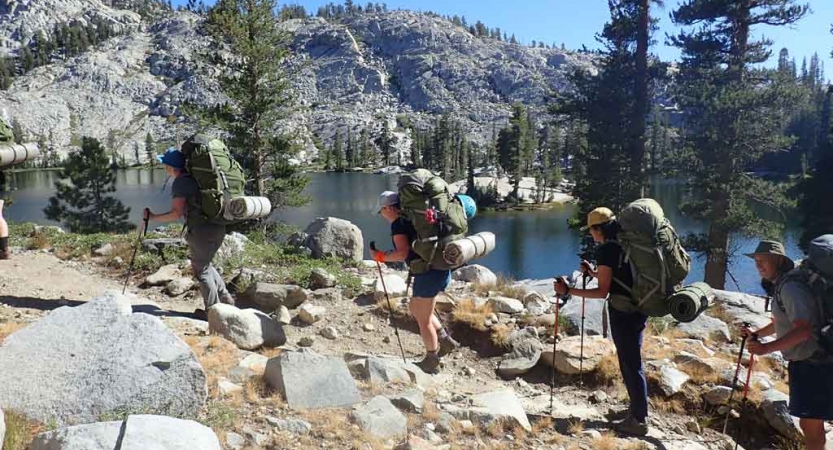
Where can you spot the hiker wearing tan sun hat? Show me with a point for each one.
(795, 316)
(626, 326)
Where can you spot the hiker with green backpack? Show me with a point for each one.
(640, 265)
(802, 315)
(205, 177)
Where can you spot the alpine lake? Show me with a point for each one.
(530, 244)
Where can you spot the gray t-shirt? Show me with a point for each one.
(185, 186)
(798, 303)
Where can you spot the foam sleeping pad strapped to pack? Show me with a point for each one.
(245, 208)
(689, 302)
(461, 251)
(18, 153)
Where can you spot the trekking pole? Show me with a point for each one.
(554, 341)
(746, 386)
(390, 307)
(735, 379)
(581, 345)
(142, 231)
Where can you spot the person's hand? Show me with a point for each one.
(745, 331)
(586, 268)
(757, 347)
(560, 286)
(379, 256)
(146, 214)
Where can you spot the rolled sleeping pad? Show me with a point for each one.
(18, 153)
(245, 208)
(689, 302)
(461, 251)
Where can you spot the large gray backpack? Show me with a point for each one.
(816, 271)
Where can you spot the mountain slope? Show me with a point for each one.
(354, 74)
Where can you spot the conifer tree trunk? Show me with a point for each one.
(642, 101)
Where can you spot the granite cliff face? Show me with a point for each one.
(356, 74)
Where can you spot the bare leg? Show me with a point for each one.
(423, 311)
(4, 235)
(813, 429)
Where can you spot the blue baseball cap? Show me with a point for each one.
(173, 158)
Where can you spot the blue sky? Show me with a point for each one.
(575, 22)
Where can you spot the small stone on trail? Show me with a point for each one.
(227, 388)
(718, 395)
(330, 333)
(310, 313)
(234, 441)
(320, 279)
(179, 286)
(598, 397)
(282, 315)
(593, 434)
(306, 341)
(468, 371)
(164, 275)
(693, 426)
(368, 327)
(104, 250)
(386, 340)
(380, 418)
(506, 305)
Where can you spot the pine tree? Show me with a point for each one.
(338, 154)
(82, 204)
(739, 116)
(350, 151)
(385, 142)
(17, 131)
(257, 86)
(511, 147)
(150, 149)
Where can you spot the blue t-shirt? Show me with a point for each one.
(185, 186)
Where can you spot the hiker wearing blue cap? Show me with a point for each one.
(203, 238)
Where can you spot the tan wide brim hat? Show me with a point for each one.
(597, 217)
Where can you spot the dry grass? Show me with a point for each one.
(39, 241)
(270, 352)
(607, 441)
(500, 335)
(701, 375)
(216, 355)
(7, 328)
(608, 373)
(505, 287)
(496, 428)
(576, 427)
(544, 424)
(19, 431)
(472, 315)
(556, 438)
(431, 413)
(637, 445)
(669, 405)
(781, 385)
(342, 433)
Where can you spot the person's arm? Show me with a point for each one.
(400, 253)
(767, 330)
(604, 275)
(802, 330)
(177, 211)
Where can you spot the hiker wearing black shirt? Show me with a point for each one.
(426, 285)
(614, 279)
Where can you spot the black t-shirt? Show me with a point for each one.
(402, 226)
(610, 254)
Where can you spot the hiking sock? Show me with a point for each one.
(4, 243)
(442, 334)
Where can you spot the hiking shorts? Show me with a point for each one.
(811, 390)
(431, 283)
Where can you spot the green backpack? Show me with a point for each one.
(219, 177)
(658, 261)
(437, 216)
(6, 134)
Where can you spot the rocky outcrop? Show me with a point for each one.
(309, 381)
(568, 356)
(96, 359)
(402, 63)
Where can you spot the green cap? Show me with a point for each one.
(770, 248)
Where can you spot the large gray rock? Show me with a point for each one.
(164, 275)
(248, 329)
(394, 284)
(595, 316)
(380, 418)
(706, 326)
(671, 380)
(309, 313)
(140, 432)
(475, 273)
(386, 370)
(526, 350)
(536, 304)
(506, 305)
(568, 356)
(412, 400)
(743, 307)
(332, 237)
(270, 297)
(718, 395)
(310, 381)
(179, 286)
(97, 359)
(502, 405)
(775, 407)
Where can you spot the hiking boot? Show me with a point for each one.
(630, 425)
(201, 314)
(431, 363)
(447, 345)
